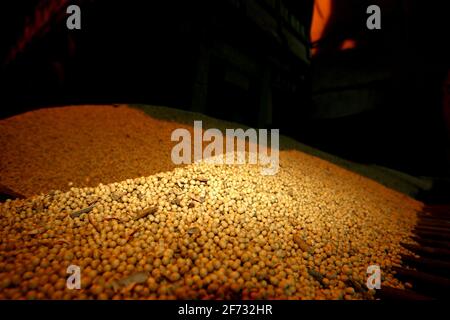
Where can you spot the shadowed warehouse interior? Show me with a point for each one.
(373, 96)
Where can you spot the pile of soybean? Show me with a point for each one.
(82, 146)
(208, 231)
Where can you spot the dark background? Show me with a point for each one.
(246, 61)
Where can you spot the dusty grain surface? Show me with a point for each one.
(208, 232)
(197, 232)
(81, 146)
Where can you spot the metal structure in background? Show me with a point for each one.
(237, 60)
(238, 81)
(428, 272)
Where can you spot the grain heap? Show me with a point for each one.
(82, 146)
(208, 231)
